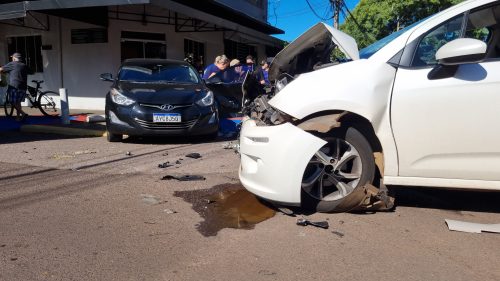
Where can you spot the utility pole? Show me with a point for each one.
(336, 6)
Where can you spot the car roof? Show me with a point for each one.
(153, 61)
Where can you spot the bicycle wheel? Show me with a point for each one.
(47, 103)
(8, 106)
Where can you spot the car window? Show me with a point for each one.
(367, 52)
(170, 73)
(425, 53)
(482, 24)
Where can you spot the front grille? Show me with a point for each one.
(159, 106)
(165, 126)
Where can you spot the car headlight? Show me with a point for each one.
(207, 100)
(120, 99)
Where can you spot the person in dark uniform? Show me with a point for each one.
(249, 66)
(18, 83)
(262, 73)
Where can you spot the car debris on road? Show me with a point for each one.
(165, 165)
(194, 155)
(305, 222)
(184, 178)
(471, 227)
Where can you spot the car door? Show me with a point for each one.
(450, 128)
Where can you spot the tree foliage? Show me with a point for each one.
(379, 18)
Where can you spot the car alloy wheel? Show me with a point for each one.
(336, 170)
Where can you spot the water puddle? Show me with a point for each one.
(226, 206)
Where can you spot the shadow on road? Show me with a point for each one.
(34, 186)
(20, 137)
(175, 139)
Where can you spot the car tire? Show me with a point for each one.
(335, 175)
(113, 137)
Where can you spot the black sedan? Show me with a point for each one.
(152, 97)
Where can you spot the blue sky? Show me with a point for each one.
(295, 16)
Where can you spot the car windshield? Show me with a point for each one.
(375, 47)
(159, 73)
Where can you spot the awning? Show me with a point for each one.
(225, 12)
(19, 9)
(252, 30)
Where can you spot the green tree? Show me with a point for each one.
(379, 18)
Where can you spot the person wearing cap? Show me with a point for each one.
(262, 73)
(220, 64)
(237, 71)
(18, 83)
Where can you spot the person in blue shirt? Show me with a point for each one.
(249, 66)
(220, 64)
(262, 73)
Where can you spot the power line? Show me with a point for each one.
(299, 12)
(362, 29)
(314, 12)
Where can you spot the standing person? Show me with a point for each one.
(220, 64)
(18, 83)
(263, 73)
(237, 71)
(249, 66)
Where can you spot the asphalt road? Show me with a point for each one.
(85, 209)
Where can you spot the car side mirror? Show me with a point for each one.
(107, 77)
(455, 53)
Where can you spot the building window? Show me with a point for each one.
(31, 49)
(143, 45)
(89, 35)
(194, 52)
(237, 50)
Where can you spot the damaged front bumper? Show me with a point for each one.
(273, 160)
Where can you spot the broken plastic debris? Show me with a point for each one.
(194, 155)
(286, 211)
(184, 178)
(339, 234)
(471, 227)
(164, 165)
(86, 151)
(306, 222)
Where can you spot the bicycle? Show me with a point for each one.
(44, 101)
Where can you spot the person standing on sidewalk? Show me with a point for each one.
(18, 83)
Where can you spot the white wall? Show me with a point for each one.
(50, 62)
(83, 63)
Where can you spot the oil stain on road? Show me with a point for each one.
(226, 206)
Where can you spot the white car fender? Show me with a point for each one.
(361, 87)
(278, 156)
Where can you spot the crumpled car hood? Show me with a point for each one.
(312, 48)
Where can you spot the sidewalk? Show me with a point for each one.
(37, 123)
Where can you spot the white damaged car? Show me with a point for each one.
(420, 107)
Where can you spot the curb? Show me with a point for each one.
(67, 131)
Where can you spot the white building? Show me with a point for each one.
(68, 43)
